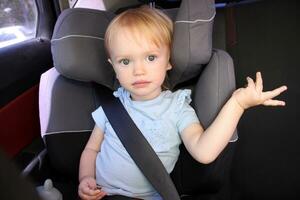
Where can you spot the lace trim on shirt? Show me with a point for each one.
(183, 96)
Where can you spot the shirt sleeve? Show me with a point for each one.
(99, 118)
(186, 114)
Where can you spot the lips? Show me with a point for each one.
(140, 83)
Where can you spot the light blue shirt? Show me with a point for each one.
(161, 120)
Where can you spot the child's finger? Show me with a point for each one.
(259, 82)
(272, 102)
(274, 93)
(85, 196)
(90, 192)
(94, 192)
(250, 82)
(101, 195)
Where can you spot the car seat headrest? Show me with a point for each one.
(78, 43)
(78, 46)
(192, 39)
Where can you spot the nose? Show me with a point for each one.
(139, 69)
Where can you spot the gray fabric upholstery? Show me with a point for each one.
(78, 48)
(214, 87)
(72, 103)
(66, 121)
(65, 105)
(192, 42)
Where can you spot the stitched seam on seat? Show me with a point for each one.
(196, 20)
(76, 131)
(76, 36)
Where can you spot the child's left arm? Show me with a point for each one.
(206, 145)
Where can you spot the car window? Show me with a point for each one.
(18, 21)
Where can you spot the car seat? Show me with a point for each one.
(67, 96)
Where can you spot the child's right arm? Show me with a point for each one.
(87, 188)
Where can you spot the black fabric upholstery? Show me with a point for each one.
(64, 151)
(196, 179)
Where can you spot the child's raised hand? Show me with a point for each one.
(253, 94)
(87, 189)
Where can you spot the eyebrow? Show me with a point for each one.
(145, 53)
(117, 58)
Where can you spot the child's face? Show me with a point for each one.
(140, 66)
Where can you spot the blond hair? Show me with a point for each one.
(144, 21)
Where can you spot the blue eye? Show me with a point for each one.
(151, 58)
(124, 61)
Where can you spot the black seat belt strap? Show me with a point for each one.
(136, 144)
